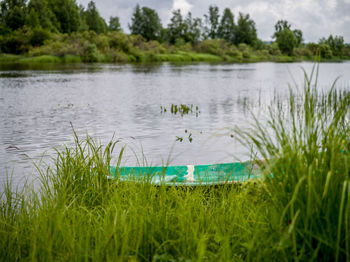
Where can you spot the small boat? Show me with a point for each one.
(190, 175)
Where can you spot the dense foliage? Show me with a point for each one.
(61, 28)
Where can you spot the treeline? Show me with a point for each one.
(62, 28)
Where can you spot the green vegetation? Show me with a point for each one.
(181, 109)
(300, 212)
(146, 22)
(307, 149)
(286, 39)
(61, 29)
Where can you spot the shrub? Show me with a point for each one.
(313, 47)
(324, 49)
(186, 47)
(119, 40)
(38, 36)
(233, 51)
(91, 53)
(243, 47)
(102, 43)
(347, 50)
(301, 51)
(263, 53)
(274, 50)
(17, 42)
(212, 46)
(118, 56)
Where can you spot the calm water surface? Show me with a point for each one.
(37, 106)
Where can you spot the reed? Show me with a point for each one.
(306, 144)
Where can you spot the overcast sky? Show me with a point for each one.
(316, 18)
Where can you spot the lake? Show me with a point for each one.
(39, 103)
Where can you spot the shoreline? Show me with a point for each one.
(167, 57)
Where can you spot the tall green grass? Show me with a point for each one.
(80, 215)
(300, 212)
(306, 144)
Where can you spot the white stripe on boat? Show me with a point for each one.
(190, 175)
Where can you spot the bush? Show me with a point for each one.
(17, 42)
(274, 50)
(91, 53)
(212, 46)
(118, 56)
(324, 50)
(245, 49)
(186, 47)
(261, 45)
(347, 50)
(119, 40)
(301, 51)
(102, 43)
(263, 53)
(313, 47)
(233, 51)
(38, 36)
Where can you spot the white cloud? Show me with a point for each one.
(183, 5)
(332, 4)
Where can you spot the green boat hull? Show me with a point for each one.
(191, 175)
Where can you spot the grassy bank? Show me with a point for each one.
(300, 212)
(180, 56)
(117, 47)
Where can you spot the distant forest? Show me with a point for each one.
(63, 29)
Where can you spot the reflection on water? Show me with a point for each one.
(38, 103)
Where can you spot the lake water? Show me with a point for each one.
(37, 105)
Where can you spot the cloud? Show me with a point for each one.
(183, 5)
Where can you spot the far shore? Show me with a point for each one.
(167, 57)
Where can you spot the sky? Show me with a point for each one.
(316, 18)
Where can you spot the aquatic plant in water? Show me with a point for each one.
(181, 109)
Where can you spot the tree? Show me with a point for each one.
(32, 19)
(286, 41)
(176, 28)
(183, 30)
(280, 26)
(93, 19)
(146, 22)
(245, 30)
(114, 24)
(194, 28)
(13, 13)
(227, 26)
(136, 21)
(39, 10)
(66, 15)
(336, 44)
(298, 36)
(212, 21)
